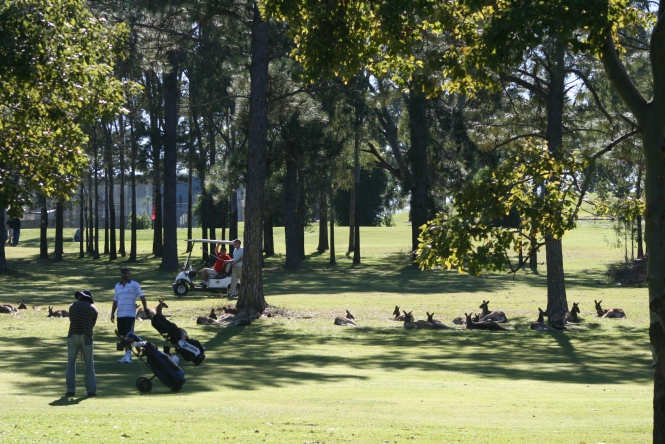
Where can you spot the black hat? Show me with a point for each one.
(84, 294)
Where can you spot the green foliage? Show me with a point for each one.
(374, 211)
(530, 182)
(143, 222)
(55, 74)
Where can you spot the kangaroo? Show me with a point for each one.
(6, 309)
(556, 320)
(397, 316)
(206, 320)
(571, 316)
(496, 315)
(348, 320)
(437, 324)
(242, 319)
(482, 325)
(143, 315)
(21, 306)
(409, 323)
(611, 313)
(57, 313)
(461, 320)
(540, 324)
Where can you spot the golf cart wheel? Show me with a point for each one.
(180, 289)
(144, 384)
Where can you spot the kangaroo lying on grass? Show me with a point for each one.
(348, 320)
(540, 324)
(437, 324)
(571, 316)
(397, 316)
(487, 315)
(616, 313)
(57, 313)
(481, 325)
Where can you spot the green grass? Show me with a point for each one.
(299, 378)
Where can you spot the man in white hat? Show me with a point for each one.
(82, 319)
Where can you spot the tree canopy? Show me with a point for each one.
(55, 73)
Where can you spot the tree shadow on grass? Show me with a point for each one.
(267, 354)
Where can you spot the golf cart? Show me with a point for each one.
(185, 280)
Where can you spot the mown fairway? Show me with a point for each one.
(298, 378)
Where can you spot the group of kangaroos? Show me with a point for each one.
(492, 319)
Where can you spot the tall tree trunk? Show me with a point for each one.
(43, 230)
(106, 214)
(82, 223)
(110, 197)
(202, 165)
(301, 212)
(212, 213)
(268, 237)
(332, 225)
(233, 216)
(58, 231)
(291, 222)
(417, 158)
(90, 237)
(96, 247)
(190, 178)
(154, 102)
(323, 222)
(638, 194)
(171, 94)
(121, 224)
(556, 285)
(356, 187)
(251, 290)
(3, 256)
(132, 243)
(352, 217)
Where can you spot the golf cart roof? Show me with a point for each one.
(211, 241)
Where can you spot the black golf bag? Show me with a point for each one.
(161, 365)
(190, 349)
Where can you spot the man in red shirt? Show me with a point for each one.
(218, 268)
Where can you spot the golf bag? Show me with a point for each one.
(161, 365)
(190, 349)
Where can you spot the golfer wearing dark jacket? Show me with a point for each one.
(82, 319)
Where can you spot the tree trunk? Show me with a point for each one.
(106, 214)
(96, 247)
(352, 217)
(81, 224)
(132, 244)
(638, 193)
(190, 175)
(212, 212)
(154, 101)
(251, 290)
(418, 163)
(121, 224)
(356, 187)
(556, 285)
(332, 227)
(323, 222)
(291, 222)
(171, 93)
(90, 237)
(43, 230)
(233, 216)
(110, 197)
(301, 211)
(268, 237)
(58, 231)
(3, 256)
